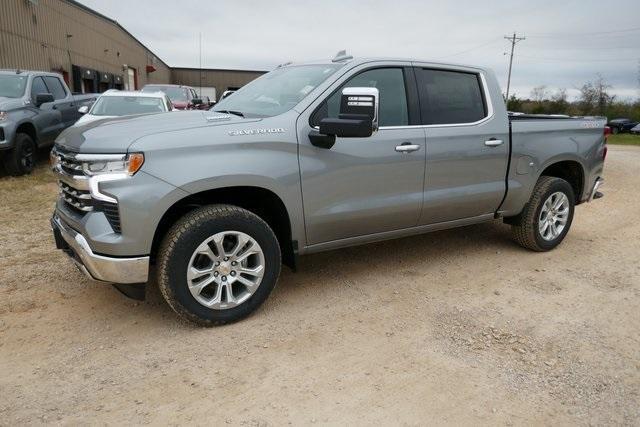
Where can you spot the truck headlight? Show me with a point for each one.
(3, 115)
(108, 167)
(115, 165)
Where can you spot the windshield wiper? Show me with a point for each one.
(235, 113)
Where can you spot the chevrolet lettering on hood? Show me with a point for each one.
(256, 131)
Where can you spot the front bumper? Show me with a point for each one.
(98, 267)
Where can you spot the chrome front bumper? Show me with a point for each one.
(98, 267)
(594, 191)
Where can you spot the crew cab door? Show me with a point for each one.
(467, 144)
(362, 186)
(47, 119)
(64, 102)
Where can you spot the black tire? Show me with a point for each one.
(182, 240)
(615, 130)
(525, 227)
(21, 159)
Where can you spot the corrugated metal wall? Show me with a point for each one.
(220, 79)
(33, 35)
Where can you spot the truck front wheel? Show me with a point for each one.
(21, 159)
(547, 217)
(217, 264)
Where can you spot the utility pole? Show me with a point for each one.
(513, 39)
(200, 73)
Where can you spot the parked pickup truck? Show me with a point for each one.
(35, 107)
(307, 158)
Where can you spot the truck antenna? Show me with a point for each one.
(341, 56)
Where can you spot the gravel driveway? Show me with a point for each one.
(455, 327)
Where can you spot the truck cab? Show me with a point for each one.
(312, 157)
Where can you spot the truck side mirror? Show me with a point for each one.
(358, 116)
(196, 101)
(43, 98)
(83, 110)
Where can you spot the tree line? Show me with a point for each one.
(595, 99)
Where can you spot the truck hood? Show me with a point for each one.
(115, 135)
(8, 104)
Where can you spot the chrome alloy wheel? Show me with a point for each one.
(553, 216)
(225, 270)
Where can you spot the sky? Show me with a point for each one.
(568, 42)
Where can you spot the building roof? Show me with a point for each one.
(114, 22)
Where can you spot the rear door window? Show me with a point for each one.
(450, 97)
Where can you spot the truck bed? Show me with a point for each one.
(537, 141)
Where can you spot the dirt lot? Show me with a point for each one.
(455, 327)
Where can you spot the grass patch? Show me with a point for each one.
(624, 139)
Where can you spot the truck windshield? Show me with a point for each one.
(175, 94)
(12, 86)
(278, 91)
(126, 105)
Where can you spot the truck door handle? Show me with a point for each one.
(493, 142)
(407, 147)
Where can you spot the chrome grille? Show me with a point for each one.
(76, 199)
(71, 166)
(74, 189)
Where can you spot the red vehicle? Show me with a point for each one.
(182, 97)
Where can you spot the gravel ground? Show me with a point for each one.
(455, 327)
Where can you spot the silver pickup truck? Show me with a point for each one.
(312, 157)
(35, 106)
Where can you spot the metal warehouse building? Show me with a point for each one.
(93, 52)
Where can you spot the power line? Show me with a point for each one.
(513, 39)
(578, 60)
(471, 49)
(595, 33)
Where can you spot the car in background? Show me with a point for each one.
(182, 97)
(207, 103)
(116, 103)
(35, 107)
(635, 130)
(621, 125)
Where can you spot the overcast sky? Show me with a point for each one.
(568, 42)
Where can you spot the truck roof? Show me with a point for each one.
(138, 94)
(364, 60)
(28, 72)
(165, 85)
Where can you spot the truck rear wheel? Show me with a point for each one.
(217, 264)
(546, 219)
(21, 159)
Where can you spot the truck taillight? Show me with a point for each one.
(607, 132)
